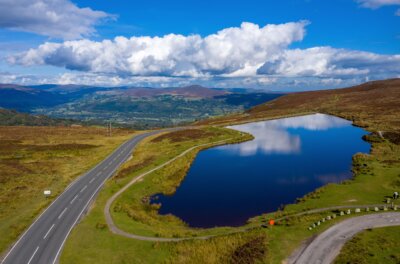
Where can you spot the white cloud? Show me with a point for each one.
(54, 18)
(373, 4)
(246, 56)
(240, 50)
(331, 63)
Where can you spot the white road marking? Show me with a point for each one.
(98, 174)
(73, 200)
(48, 232)
(65, 209)
(51, 205)
(34, 253)
(84, 188)
(91, 180)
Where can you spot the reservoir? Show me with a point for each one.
(287, 159)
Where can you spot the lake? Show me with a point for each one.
(288, 158)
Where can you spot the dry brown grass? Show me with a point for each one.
(183, 135)
(33, 159)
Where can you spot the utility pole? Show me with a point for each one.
(109, 129)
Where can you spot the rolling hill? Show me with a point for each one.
(377, 101)
(14, 118)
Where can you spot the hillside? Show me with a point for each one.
(14, 118)
(376, 102)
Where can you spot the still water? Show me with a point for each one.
(288, 158)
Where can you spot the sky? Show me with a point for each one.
(275, 45)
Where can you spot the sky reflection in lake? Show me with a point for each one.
(288, 158)
(273, 136)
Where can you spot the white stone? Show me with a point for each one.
(47, 192)
(376, 209)
(358, 210)
(348, 212)
(341, 213)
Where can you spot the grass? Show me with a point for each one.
(378, 245)
(375, 176)
(33, 159)
(133, 212)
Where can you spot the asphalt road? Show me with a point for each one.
(326, 246)
(45, 238)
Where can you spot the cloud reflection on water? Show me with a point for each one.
(273, 136)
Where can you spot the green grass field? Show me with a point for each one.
(380, 245)
(375, 177)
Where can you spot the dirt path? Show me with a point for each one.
(324, 248)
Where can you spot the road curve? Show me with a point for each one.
(43, 241)
(114, 229)
(326, 246)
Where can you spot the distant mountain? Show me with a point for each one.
(29, 98)
(140, 107)
(24, 99)
(193, 91)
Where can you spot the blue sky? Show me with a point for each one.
(285, 45)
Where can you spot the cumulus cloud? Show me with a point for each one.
(54, 18)
(330, 62)
(238, 50)
(247, 56)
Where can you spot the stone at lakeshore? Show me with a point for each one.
(341, 213)
(328, 217)
(333, 216)
(358, 210)
(310, 228)
(318, 223)
(367, 209)
(385, 208)
(323, 220)
(395, 207)
(348, 212)
(376, 209)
